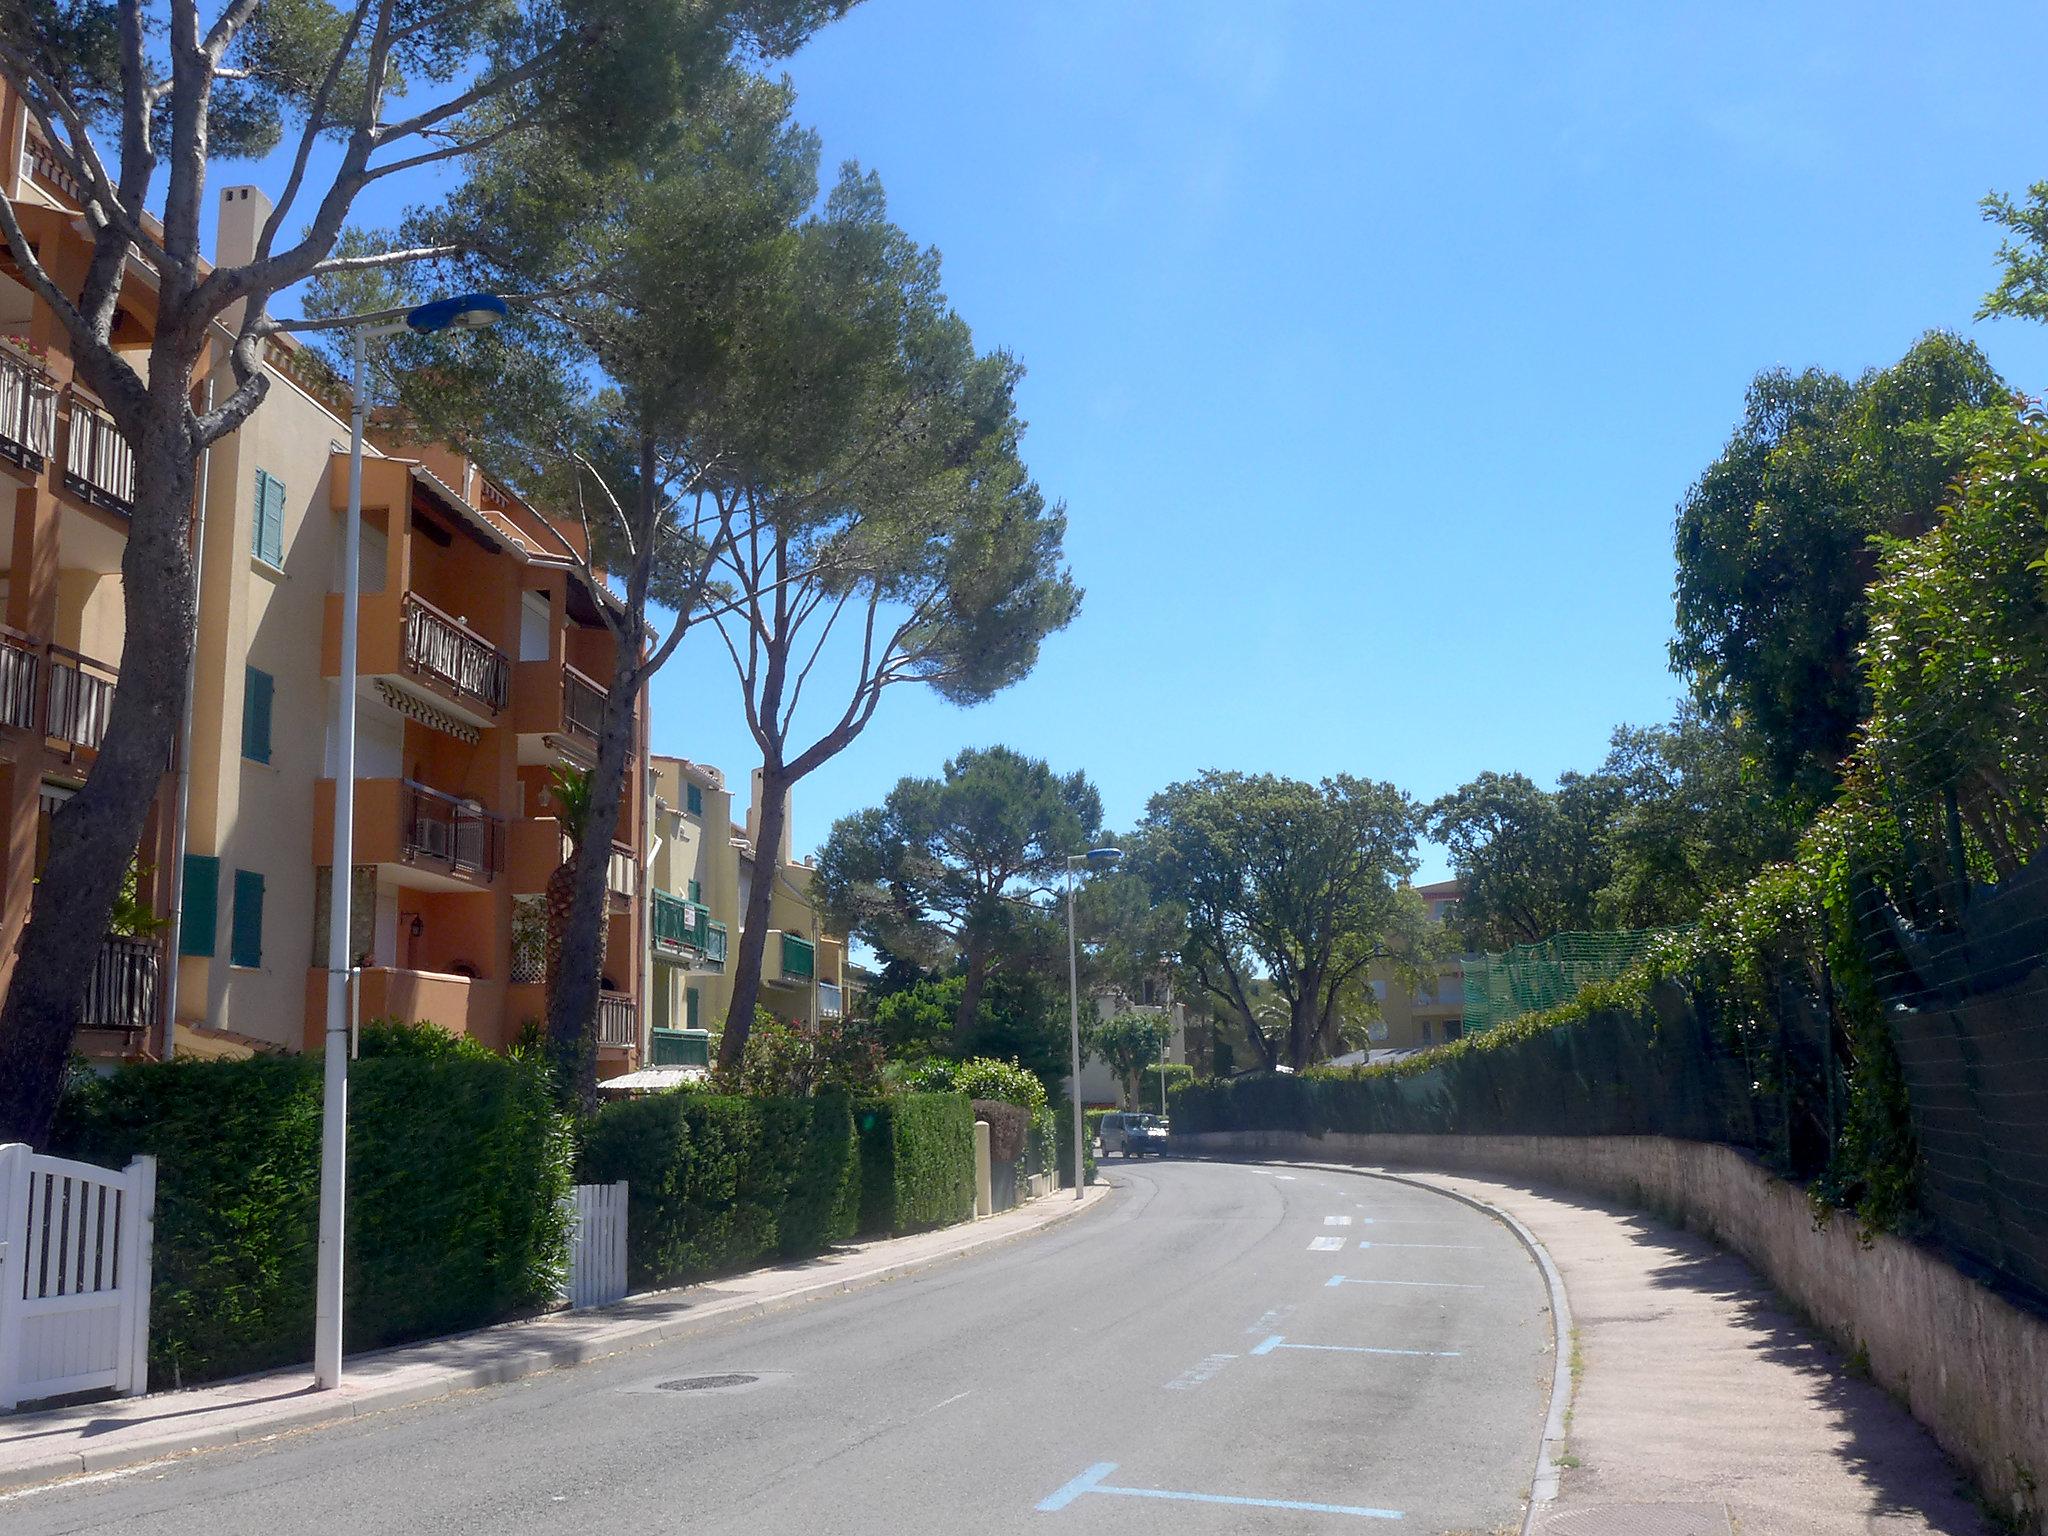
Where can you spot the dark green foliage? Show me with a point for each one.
(916, 1162)
(1063, 1138)
(457, 1169)
(718, 1182)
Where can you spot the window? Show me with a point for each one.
(267, 535)
(689, 1007)
(536, 621)
(199, 916)
(246, 945)
(693, 802)
(257, 688)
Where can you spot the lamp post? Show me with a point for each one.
(468, 312)
(1094, 858)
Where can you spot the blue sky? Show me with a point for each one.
(1371, 346)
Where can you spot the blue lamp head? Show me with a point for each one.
(464, 312)
(1104, 858)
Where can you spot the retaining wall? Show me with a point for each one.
(1969, 1365)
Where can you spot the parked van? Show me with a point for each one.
(1132, 1135)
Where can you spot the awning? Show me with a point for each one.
(652, 1079)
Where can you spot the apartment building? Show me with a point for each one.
(701, 868)
(1414, 1016)
(479, 648)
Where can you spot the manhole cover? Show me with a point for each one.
(707, 1383)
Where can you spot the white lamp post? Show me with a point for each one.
(1094, 858)
(468, 312)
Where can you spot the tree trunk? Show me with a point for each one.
(94, 837)
(970, 992)
(746, 976)
(573, 989)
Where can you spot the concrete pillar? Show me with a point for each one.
(984, 1176)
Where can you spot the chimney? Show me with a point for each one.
(242, 212)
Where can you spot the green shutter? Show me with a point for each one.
(269, 530)
(246, 946)
(693, 800)
(257, 688)
(690, 1007)
(200, 915)
(697, 891)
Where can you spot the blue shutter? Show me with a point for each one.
(693, 801)
(257, 688)
(199, 916)
(269, 533)
(246, 945)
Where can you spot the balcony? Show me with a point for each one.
(457, 659)
(788, 960)
(583, 701)
(681, 1048)
(423, 837)
(462, 1005)
(831, 1000)
(28, 412)
(53, 692)
(679, 928)
(123, 991)
(98, 463)
(618, 1020)
(622, 875)
(714, 947)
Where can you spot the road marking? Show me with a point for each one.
(949, 1402)
(1285, 1178)
(1268, 1318)
(1461, 1247)
(1200, 1372)
(1278, 1341)
(1325, 1244)
(1091, 1481)
(1441, 1285)
(1336, 1221)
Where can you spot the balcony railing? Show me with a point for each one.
(28, 412)
(21, 665)
(81, 699)
(582, 703)
(678, 927)
(680, 1048)
(618, 1020)
(98, 463)
(455, 656)
(799, 958)
(831, 1001)
(714, 947)
(457, 835)
(123, 991)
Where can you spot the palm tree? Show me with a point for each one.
(575, 1057)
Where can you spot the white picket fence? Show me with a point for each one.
(74, 1276)
(597, 1244)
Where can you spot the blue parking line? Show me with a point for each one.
(1091, 1481)
(1268, 1345)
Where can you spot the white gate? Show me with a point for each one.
(597, 1245)
(74, 1275)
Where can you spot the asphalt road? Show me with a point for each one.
(1183, 1360)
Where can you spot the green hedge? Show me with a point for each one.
(1064, 1124)
(457, 1168)
(916, 1162)
(717, 1182)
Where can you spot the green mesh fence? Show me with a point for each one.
(1531, 977)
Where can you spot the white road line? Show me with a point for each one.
(1440, 1285)
(1461, 1247)
(1336, 1221)
(1325, 1244)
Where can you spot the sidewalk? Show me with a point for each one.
(37, 1447)
(1701, 1408)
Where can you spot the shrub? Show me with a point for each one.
(1008, 1129)
(717, 1182)
(788, 1059)
(917, 1162)
(983, 1077)
(1064, 1141)
(457, 1167)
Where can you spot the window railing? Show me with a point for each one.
(28, 412)
(799, 958)
(454, 655)
(122, 993)
(98, 463)
(81, 699)
(582, 702)
(618, 1020)
(458, 835)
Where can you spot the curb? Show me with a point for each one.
(533, 1360)
(1543, 1486)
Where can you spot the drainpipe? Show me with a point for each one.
(652, 843)
(173, 935)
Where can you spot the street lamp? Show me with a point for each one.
(1094, 858)
(467, 312)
